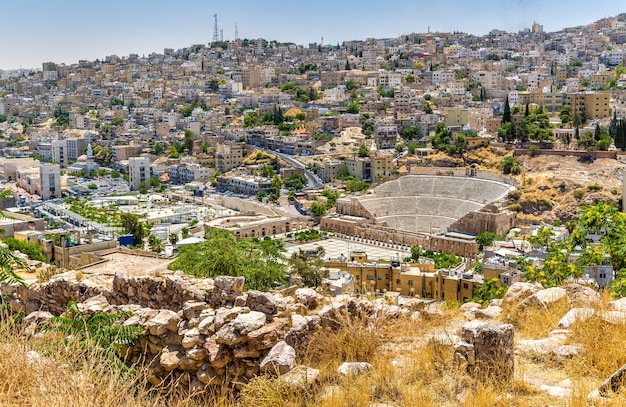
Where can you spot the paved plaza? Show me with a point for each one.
(335, 246)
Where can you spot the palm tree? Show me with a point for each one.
(173, 238)
(8, 263)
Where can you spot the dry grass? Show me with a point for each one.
(44, 370)
(407, 369)
(46, 273)
(535, 323)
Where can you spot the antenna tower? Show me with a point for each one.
(216, 33)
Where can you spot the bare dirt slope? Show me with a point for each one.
(556, 187)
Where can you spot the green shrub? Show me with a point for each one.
(32, 250)
(579, 193)
(594, 187)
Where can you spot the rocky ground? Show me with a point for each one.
(558, 344)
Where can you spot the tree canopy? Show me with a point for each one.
(223, 253)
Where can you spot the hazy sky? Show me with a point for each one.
(64, 31)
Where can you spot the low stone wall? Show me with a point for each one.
(168, 292)
(564, 153)
(200, 334)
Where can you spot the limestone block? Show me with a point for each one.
(487, 349)
(246, 323)
(281, 359)
(354, 368)
(518, 292)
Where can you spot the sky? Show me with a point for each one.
(65, 31)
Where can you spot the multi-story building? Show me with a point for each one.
(58, 152)
(385, 135)
(588, 104)
(50, 181)
(412, 280)
(328, 170)
(138, 171)
(228, 156)
(244, 185)
(75, 147)
(184, 173)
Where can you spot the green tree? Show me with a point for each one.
(508, 163)
(223, 253)
(363, 150)
(353, 107)
(412, 133)
(296, 181)
(277, 184)
(485, 239)
(542, 238)
(356, 185)
(130, 222)
(310, 269)
(416, 251)
(189, 138)
(268, 171)
(565, 114)
(155, 181)
(506, 116)
(490, 289)
(318, 209)
(184, 232)
(173, 238)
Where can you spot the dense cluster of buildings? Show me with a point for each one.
(194, 115)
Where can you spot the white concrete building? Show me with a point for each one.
(138, 170)
(50, 181)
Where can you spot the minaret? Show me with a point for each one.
(90, 159)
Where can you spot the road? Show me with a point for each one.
(312, 181)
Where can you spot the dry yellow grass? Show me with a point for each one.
(407, 369)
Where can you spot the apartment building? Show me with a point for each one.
(244, 185)
(229, 156)
(412, 280)
(49, 181)
(334, 95)
(592, 105)
(43, 180)
(123, 153)
(328, 170)
(184, 173)
(385, 135)
(58, 152)
(332, 78)
(138, 171)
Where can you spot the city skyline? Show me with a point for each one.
(67, 31)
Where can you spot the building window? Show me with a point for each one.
(410, 282)
(465, 286)
(369, 277)
(398, 282)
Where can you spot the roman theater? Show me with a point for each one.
(441, 212)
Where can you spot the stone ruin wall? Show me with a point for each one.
(197, 333)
